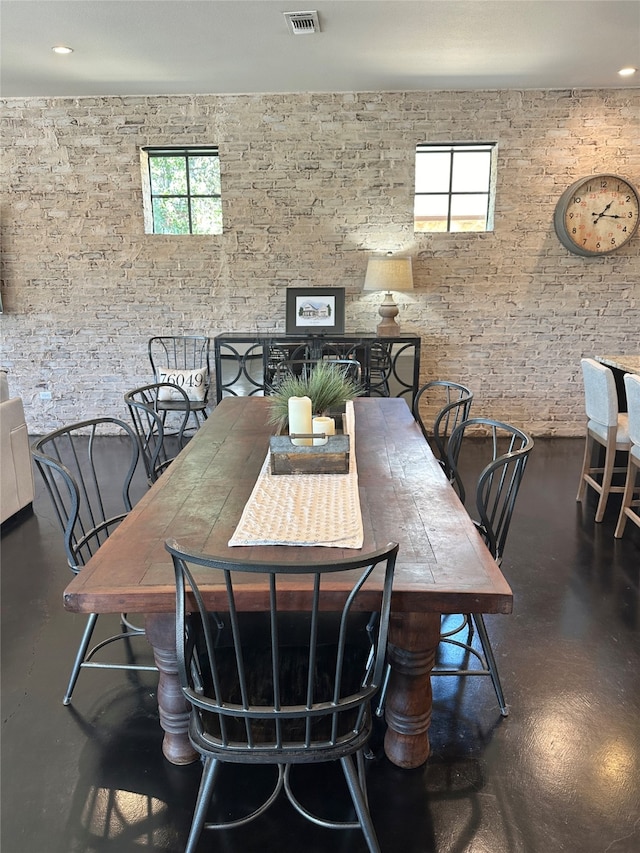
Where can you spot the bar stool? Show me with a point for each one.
(606, 427)
(631, 506)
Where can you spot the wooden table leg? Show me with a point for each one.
(413, 640)
(173, 707)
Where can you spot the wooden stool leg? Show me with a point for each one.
(586, 464)
(607, 477)
(627, 497)
(413, 641)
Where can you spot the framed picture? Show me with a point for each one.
(315, 310)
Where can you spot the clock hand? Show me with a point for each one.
(609, 216)
(600, 215)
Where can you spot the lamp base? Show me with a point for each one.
(388, 310)
(388, 329)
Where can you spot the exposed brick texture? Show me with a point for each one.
(311, 185)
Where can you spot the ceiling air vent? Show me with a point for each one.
(302, 23)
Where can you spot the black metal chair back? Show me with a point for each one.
(183, 360)
(303, 367)
(91, 494)
(496, 489)
(158, 447)
(74, 474)
(499, 481)
(451, 403)
(381, 369)
(282, 687)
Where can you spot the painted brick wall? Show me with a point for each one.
(311, 185)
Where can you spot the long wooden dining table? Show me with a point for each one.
(443, 564)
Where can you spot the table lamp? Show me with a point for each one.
(388, 273)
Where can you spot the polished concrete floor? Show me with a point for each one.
(561, 773)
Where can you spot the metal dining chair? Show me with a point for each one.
(278, 687)
(630, 508)
(449, 403)
(158, 447)
(182, 360)
(606, 427)
(381, 369)
(507, 450)
(303, 367)
(90, 498)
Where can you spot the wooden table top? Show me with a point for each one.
(626, 363)
(443, 565)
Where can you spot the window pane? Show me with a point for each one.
(204, 175)
(168, 175)
(469, 212)
(432, 172)
(430, 212)
(471, 171)
(170, 216)
(463, 172)
(206, 216)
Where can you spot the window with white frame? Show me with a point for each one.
(181, 189)
(454, 187)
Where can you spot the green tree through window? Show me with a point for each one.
(184, 192)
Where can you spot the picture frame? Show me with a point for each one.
(315, 311)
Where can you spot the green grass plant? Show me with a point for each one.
(327, 385)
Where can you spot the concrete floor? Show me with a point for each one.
(561, 773)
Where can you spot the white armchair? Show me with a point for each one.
(16, 472)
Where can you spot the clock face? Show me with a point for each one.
(597, 215)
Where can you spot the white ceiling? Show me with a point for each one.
(140, 47)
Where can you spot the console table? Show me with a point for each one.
(246, 364)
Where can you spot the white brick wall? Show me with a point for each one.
(311, 185)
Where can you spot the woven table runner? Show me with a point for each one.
(305, 509)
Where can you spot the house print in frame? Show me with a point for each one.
(317, 313)
(315, 310)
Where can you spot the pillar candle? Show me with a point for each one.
(300, 419)
(325, 425)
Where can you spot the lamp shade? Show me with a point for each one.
(389, 273)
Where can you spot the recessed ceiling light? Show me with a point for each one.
(62, 49)
(627, 72)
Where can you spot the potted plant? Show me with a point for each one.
(327, 385)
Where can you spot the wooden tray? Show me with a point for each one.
(329, 458)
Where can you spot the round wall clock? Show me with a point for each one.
(597, 215)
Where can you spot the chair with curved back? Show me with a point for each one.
(182, 360)
(451, 402)
(380, 369)
(91, 496)
(281, 687)
(158, 448)
(496, 491)
(607, 427)
(630, 503)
